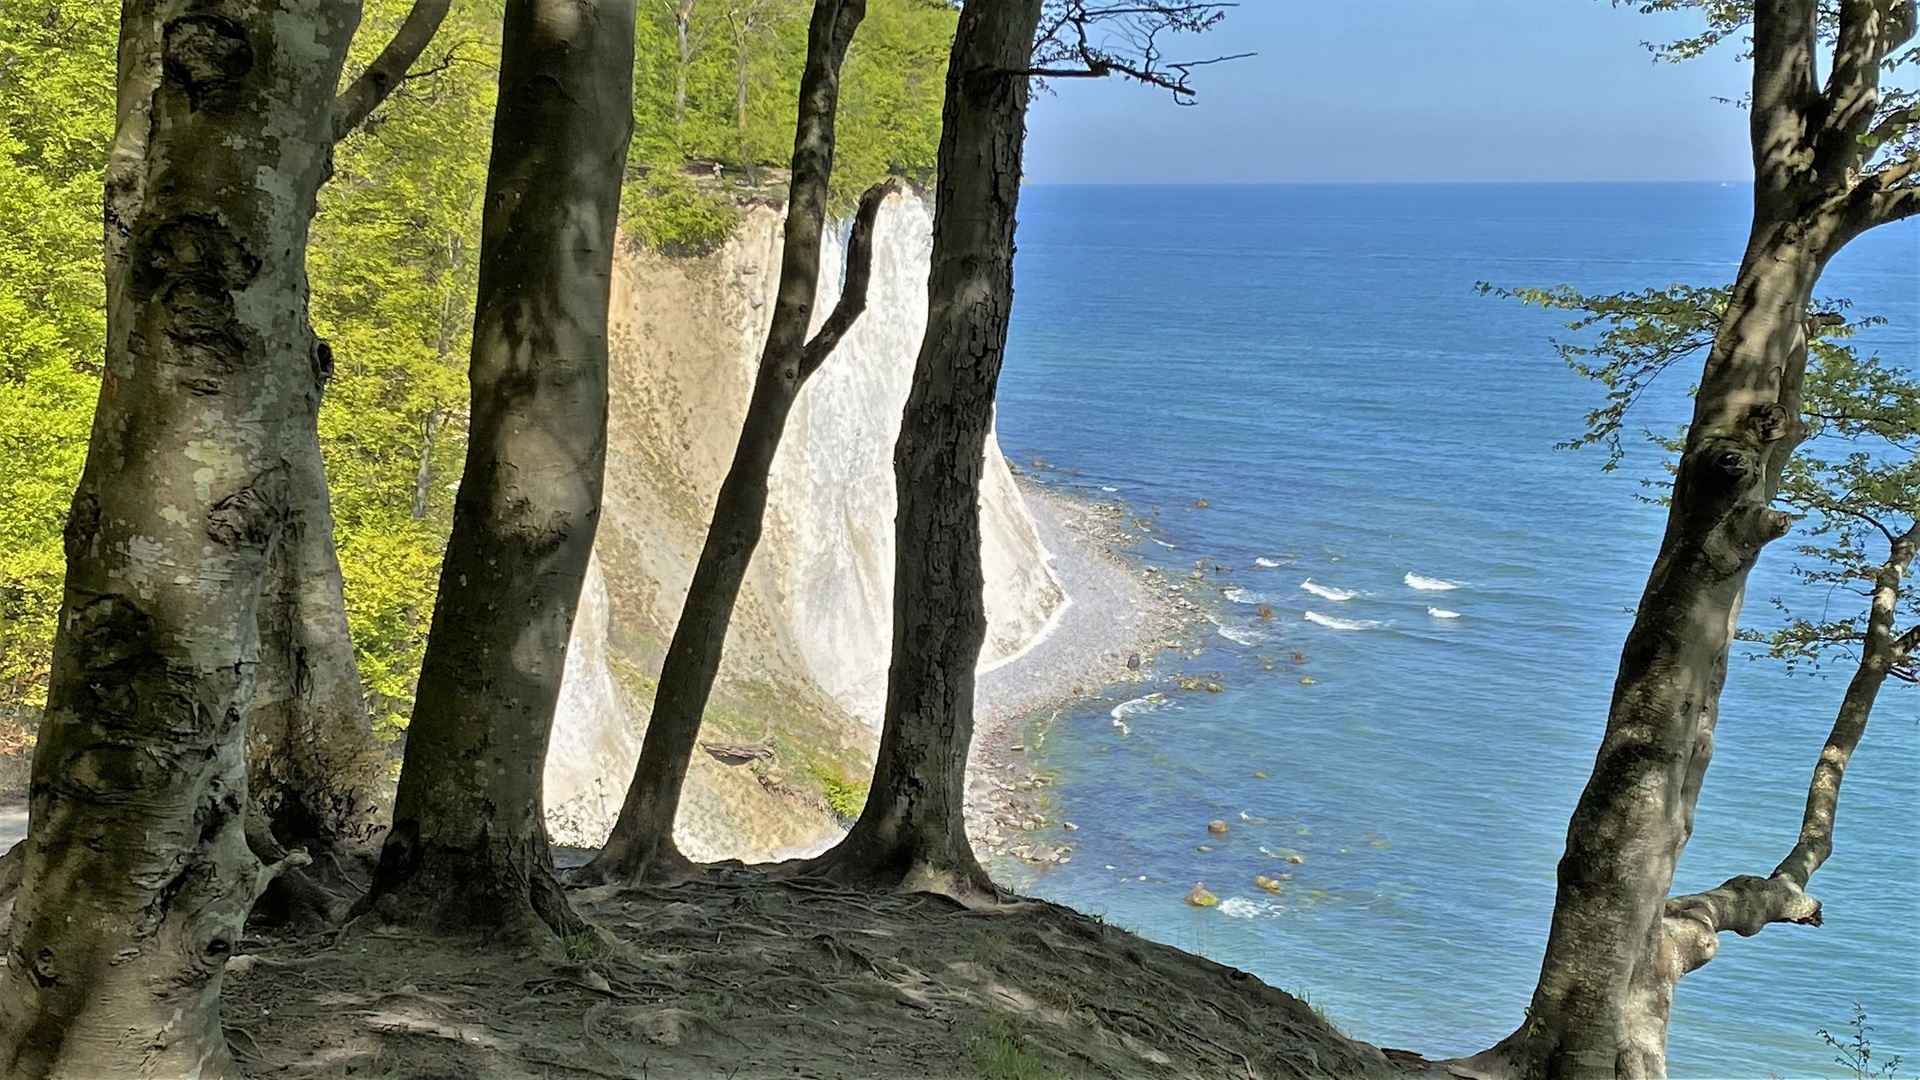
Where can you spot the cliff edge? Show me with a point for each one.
(806, 661)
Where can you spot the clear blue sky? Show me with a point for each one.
(1410, 90)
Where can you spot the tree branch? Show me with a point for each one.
(1870, 30)
(853, 294)
(1747, 904)
(389, 69)
(1784, 40)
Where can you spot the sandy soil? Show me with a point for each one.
(747, 979)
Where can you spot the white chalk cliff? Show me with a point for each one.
(807, 659)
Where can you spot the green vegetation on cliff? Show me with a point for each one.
(393, 261)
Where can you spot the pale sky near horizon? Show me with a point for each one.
(1361, 91)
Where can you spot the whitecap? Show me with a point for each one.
(1239, 907)
(1332, 623)
(1442, 613)
(1134, 707)
(1427, 584)
(1163, 544)
(1103, 487)
(1244, 596)
(1251, 820)
(1237, 635)
(1267, 563)
(1328, 592)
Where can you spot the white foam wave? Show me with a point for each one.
(1239, 907)
(1239, 595)
(1332, 623)
(1135, 707)
(1251, 820)
(1427, 584)
(1328, 592)
(1163, 543)
(1239, 636)
(1442, 613)
(1267, 563)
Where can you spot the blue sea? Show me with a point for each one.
(1314, 363)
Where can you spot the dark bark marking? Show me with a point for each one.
(205, 54)
(252, 516)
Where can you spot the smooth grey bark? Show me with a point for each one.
(467, 851)
(136, 872)
(642, 839)
(1691, 925)
(1598, 1009)
(313, 763)
(912, 834)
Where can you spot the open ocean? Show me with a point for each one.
(1313, 361)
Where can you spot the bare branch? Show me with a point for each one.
(1091, 39)
(389, 69)
(853, 294)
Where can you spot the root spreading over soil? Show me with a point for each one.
(741, 977)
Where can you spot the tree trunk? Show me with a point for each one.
(313, 762)
(1599, 1007)
(642, 838)
(911, 834)
(423, 477)
(1691, 925)
(468, 848)
(137, 874)
(683, 53)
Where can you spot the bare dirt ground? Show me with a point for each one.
(740, 977)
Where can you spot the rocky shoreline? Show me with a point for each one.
(1124, 623)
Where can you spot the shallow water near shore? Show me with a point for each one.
(1365, 430)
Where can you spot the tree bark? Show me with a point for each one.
(313, 763)
(467, 851)
(1690, 926)
(1598, 1009)
(312, 758)
(136, 873)
(642, 839)
(912, 835)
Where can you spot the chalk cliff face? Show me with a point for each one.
(807, 658)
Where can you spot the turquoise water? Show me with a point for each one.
(1312, 361)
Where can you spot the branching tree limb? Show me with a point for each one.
(389, 69)
(1092, 39)
(853, 291)
(1747, 904)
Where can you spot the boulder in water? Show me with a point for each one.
(1200, 897)
(1217, 827)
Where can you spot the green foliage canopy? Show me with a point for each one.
(393, 261)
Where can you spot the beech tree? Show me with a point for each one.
(137, 874)
(467, 850)
(911, 834)
(1832, 160)
(312, 760)
(1854, 482)
(642, 839)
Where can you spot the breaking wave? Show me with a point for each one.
(1328, 592)
(1442, 613)
(1332, 623)
(1427, 584)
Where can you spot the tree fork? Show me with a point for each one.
(912, 834)
(467, 852)
(641, 844)
(1597, 1007)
